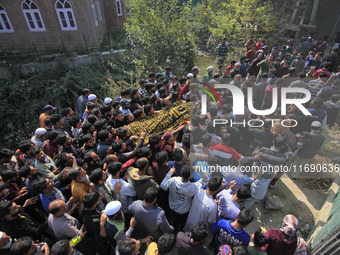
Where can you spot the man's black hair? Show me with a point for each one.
(149, 86)
(318, 101)
(24, 171)
(61, 248)
(161, 157)
(85, 127)
(90, 199)
(8, 174)
(39, 185)
(144, 152)
(52, 135)
(90, 105)
(186, 140)
(24, 146)
(185, 172)
(259, 239)
(21, 246)
(154, 139)
(74, 120)
(116, 146)
(34, 152)
(133, 93)
(214, 183)
(5, 153)
(84, 91)
(55, 118)
(226, 138)
(146, 100)
(126, 246)
(114, 167)
(137, 113)
(122, 132)
(279, 142)
(61, 139)
(86, 138)
(99, 124)
(141, 163)
(147, 108)
(213, 111)
(206, 140)
(174, 96)
(96, 175)
(115, 113)
(178, 154)
(126, 117)
(245, 217)
(104, 109)
(199, 232)
(74, 173)
(88, 157)
(243, 193)
(65, 111)
(166, 243)
(4, 208)
(92, 118)
(195, 120)
(103, 135)
(141, 81)
(150, 194)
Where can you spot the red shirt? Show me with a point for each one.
(278, 243)
(258, 46)
(227, 151)
(323, 70)
(250, 55)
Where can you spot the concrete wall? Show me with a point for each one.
(81, 60)
(327, 15)
(22, 40)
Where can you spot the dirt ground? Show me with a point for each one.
(302, 197)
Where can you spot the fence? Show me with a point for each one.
(327, 240)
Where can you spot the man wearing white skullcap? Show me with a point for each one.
(114, 225)
(38, 139)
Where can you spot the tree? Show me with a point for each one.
(159, 34)
(234, 19)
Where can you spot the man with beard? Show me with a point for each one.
(46, 165)
(18, 224)
(5, 243)
(80, 184)
(30, 173)
(91, 159)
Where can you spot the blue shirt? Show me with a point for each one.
(177, 166)
(227, 234)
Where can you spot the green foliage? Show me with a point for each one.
(234, 19)
(23, 97)
(159, 35)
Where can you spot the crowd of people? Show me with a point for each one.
(83, 184)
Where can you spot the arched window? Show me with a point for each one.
(119, 8)
(65, 15)
(32, 16)
(99, 11)
(94, 13)
(5, 24)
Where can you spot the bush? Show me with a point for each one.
(24, 96)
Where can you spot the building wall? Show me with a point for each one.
(113, 21)
(22, 40)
